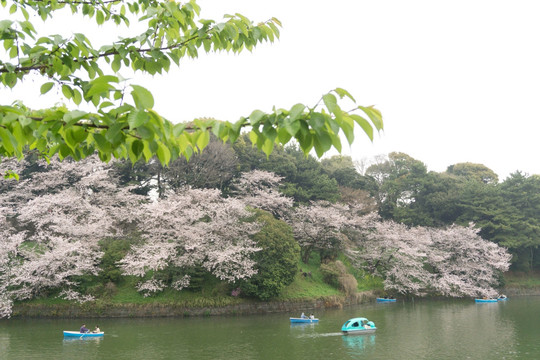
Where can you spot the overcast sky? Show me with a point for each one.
(456, 81)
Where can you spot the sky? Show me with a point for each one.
(456, 81)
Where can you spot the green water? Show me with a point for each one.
(458, 329)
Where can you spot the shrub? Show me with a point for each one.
(335, 274)
(277, 262)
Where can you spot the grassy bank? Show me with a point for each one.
(214, 297)
(530, 280)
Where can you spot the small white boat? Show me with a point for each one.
(303, 320)
(485, 300)
(386, 300)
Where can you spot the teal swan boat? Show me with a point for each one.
(303, 320)
(357, 326)
(78, 334)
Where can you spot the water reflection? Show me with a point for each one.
(358, 342)
(473, 331)
(303, 326)
(68, 340)
(4, 342)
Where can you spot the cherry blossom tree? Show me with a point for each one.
(463, 263)
(318, 226)
(259, 189)
(59, 212)
(10, 242)
(453, 261)
(195, 227)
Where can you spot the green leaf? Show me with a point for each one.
(142, 97)
(203, 140)
(102, 143)
(364, 124)
(145, 132)
(374, 115)
(331, 103)
(100, 18)
(137, 148)
(342, 93)
(348, 128)
(8, 141)
(268, 147)
(98, 88)
(46, 87)
(137, 118)
(66, 90)
(256, 117)
(292, 126)
(322, 144)
(284, 136)
(163, 154)
(77, 97)
(296, 111)
(116, 64)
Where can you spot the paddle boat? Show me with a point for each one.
(303, 320)
(485, 300)
(74, 334)
(385, 300)
(359, 325)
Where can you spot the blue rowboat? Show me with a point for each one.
(485, 300)
(358, 326)
(303, 321)
(385, 300)
(73, 334)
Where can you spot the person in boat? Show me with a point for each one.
(303, 316)
(502, 296)
(96, 329)
(312, 317)
(84, 329)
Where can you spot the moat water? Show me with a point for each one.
(445, 329)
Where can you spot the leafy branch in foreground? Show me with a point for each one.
(125, 125)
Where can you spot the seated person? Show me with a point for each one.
(84, 329)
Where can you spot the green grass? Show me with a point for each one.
(212, 294)
(366, 282)
(308, 287)
(215, 293)
(522, 280)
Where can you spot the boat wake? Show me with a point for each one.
(320, 335)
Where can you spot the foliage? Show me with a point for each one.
(276, 263)
(121, 122)
(304, 178)
(336, 274)
(475, 172)
(396, 182)
(114, 250)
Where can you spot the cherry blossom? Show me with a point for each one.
(193, 228)
(259, 189)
